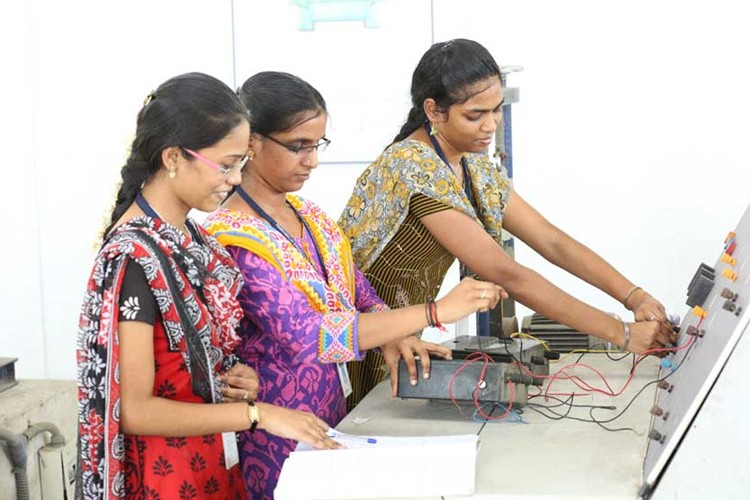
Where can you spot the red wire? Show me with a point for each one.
(559, 375)
(468, 360)
(486, 359)
(508, 408)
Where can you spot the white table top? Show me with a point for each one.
(541, 457)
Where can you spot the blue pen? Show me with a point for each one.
(333, 434)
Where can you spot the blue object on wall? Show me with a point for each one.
(315, 11)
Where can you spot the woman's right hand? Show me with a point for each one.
(467, 297)
(407, 349)
(241, 383)
(295, 424)
(648, 335)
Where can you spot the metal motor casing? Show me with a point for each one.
(465, 380)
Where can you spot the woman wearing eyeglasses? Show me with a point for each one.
(157, 326)
(308, 310)
(433, 196)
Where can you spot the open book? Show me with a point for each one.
(381, 467)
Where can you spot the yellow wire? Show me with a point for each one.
(567, 355)
(526, 335)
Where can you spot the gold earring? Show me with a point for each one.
(250, 155)
(433, 130)
(172, 173)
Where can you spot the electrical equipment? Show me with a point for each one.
(701, 285)
(472, 379)
(559, 337)
(7, 373)
(719, 298)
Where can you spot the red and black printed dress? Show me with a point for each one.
(130, 282)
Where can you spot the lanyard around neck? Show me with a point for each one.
(278, 227)
(464, 167)
(149, 211)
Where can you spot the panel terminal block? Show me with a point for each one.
(701, 285)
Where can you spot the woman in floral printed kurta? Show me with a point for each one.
(157, 326)
(433, 195)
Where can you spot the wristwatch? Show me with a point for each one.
(253, 414)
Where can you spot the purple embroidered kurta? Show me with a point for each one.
(280, 341)
(281, 338)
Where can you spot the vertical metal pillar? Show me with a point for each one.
(491, 322)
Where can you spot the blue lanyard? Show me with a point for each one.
(464, 271)
(149, 210)
(246, 197)
(467, 179)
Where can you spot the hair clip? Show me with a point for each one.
(148, 99)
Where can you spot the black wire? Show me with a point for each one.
(601, 422)
(564, 402)
(609, 354)
(580, 357)
(496, 405)
(516, 363)
(556, 417)
(569, 402)
(567, 415)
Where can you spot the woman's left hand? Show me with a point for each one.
(407, 349)
(241, 383)
(649, 309)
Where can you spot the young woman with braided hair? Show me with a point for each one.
(157, 326)
(433, 196)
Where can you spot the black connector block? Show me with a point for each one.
(701, 285)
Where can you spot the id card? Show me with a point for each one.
(346, 382)
(231, 452)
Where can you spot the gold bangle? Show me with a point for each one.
(627, 295)
(253, 414)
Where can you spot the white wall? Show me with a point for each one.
(630, 133)
(77, 73)
(631, 129)
(21, 332)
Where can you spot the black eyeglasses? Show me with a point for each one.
(302, 150)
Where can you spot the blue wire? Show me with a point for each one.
(513, 416)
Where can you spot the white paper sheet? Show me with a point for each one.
(381, 467)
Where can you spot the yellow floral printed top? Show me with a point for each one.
(401, 259)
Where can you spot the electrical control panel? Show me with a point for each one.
(719, 301)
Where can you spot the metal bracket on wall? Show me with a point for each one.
(7, 373)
